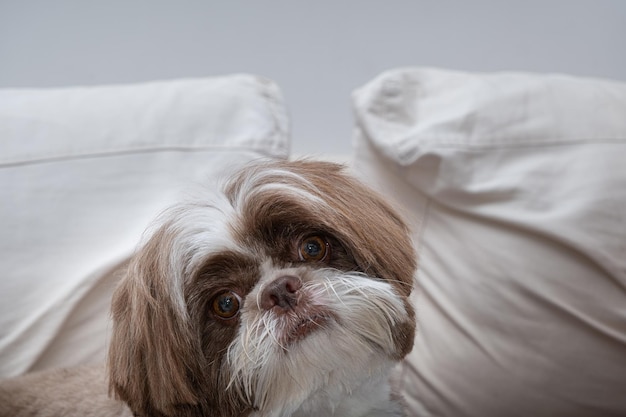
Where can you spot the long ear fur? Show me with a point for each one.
(154, 357)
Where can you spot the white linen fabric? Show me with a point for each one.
(516, 187)
(83, 171)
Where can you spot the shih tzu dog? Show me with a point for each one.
(284, 295)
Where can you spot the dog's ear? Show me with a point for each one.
(154, 357)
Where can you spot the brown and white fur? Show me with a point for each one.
(284, 295)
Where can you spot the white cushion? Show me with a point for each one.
(516, 187)
(83, 171)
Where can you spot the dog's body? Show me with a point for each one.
(285, 295)
(80, 391)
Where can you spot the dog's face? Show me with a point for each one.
(292, 282)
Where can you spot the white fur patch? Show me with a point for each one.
(282, 180)
(329, 366)
(198, 229)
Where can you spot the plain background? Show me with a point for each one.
(317, 51)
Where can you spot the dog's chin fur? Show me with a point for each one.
(338, 367)
(284, 295)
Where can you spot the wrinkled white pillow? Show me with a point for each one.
(83, 171)
(516, 187)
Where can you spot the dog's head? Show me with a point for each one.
(294, 280)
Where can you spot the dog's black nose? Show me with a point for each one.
(281, 293)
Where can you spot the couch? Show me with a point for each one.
(514, 185)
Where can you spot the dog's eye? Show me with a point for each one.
(313, 249)
(226, 304)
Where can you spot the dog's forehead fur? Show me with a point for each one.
(167, 356)
(291, 198)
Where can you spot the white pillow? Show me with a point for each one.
(83, 171)
(516, 187)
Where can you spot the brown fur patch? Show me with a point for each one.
(160, 363)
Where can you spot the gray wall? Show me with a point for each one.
(317, 51)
